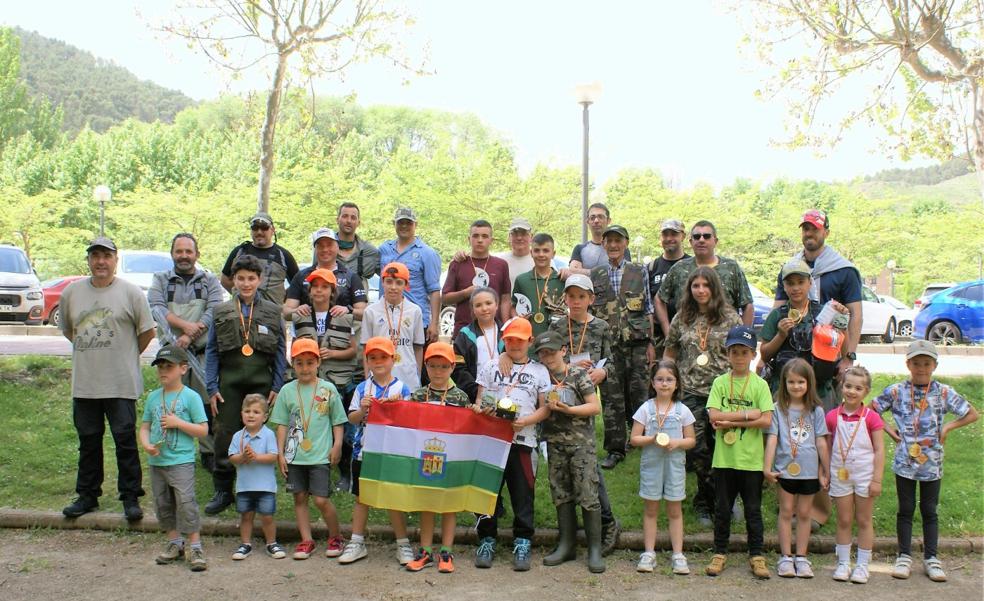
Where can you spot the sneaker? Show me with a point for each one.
(903, 567)
(842, 573)
(196, 560)
(80, 506)
(521, 555)
(860, 574)
(785, 567)
(334, 548)
(485, 552)
(170, 554)
(804, 569)
(404, 553)
(276, 551)
(934, 569)
(679, 564)
(609, 537)
(759, 569)
(243, 551)
(717, 565)
(132, 511)
(445, 562)
(423, 560)
(647, 562)
(304, 549)
(354, 551)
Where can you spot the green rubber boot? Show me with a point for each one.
(592, 531)
(566, 538)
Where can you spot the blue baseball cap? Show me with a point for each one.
(741, 335)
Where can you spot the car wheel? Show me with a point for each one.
(889, 336)
(945, 333)
(446, 321)
(905, 329)
(54, 318)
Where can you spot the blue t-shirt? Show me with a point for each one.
(253, 476)
(842, 285)
(176, 446)
(424, 265)
(394, 390)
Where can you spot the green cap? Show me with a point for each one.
(550, 340)
(616, 229)
(796, 266)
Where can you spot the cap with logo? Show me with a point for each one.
(380, 343)
(396, 270)
(520, 223)
(672, 224)
(322, 274)
(304, 345)
(578, 280)
(442, 350)
(325, 232)
(101, 242)
(796, 267)
(261, 217)
(921, 347)
(171, 354)
(405, 213)
(616, 229)
(517, 327)
(827, 342)
(549, 340)
(743, 335)
(816, 218)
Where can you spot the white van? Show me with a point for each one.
(21, 299)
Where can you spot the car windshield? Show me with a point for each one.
(13, 260)
(146, 263)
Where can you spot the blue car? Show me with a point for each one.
(954, 315)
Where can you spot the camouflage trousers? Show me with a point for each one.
(574, 474)
(623, 392)
(699, 458)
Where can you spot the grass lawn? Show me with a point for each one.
(39, 455)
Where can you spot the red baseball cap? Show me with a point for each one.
(816, 218)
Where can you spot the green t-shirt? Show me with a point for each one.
(528, 292)
(320, 414)
(748, 452)
(176, 446)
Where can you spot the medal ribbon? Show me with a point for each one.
(922, 407)
(570, 335)
(840, 440)
(444, 393)
(560, 383)
(165, 412)
(731, 391)
(300, 405)
(540, 295)
(702, 343)
(394, 334)
(666, 414)
(488, 346)
(475, 268)
(244, 327)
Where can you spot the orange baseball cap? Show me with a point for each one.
(517, 327)
(324, 274)
(396, 270)
(440, 349)
(827, 342)
(304, 345)
(380, 343)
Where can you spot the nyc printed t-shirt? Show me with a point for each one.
(525, 383)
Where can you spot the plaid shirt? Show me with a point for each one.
(615, 277)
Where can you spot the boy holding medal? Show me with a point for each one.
(309, 419)
(739, 408)
(537, 293)
(918, 407)
(174, 416)
(396, 318)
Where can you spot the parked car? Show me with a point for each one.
(954, 315)
(878, 317)
(763, 306)
(139, 266)
(52, 290)
(21, 299)
(928, 293)
(905, 316)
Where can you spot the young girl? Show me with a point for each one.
(664, 428)
(857, 461)
(479, 342)
(796, 456)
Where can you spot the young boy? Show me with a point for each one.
(309, 419)
(333, 333)
(739, 408)
(918, 407)
(439, 361)
(537, 294)
(174, 416)
(569, 432)
(526, 385)
(254, 452)
(380, 385)
(398, 319)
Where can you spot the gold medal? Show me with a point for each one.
(795, 315)
(730, 437)
(662, 439)
(922, 458)
(915, 450)
(843, 475)
(538, 317)
(397, 359)
(306, 444)
(793, 469)
(702, 359)
(247, 350)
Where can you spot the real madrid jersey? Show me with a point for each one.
(404, 325)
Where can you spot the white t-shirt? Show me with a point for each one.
(376, 322)
(321, 319)
(517, 265)
(483, 346)
(524, 385)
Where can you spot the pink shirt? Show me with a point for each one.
(872, 421)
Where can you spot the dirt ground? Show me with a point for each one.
(54, 565)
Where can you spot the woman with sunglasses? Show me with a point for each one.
(278, 264)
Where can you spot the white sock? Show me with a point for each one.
(402, 541)
(358, 538)
(864, 556)
(844, 553)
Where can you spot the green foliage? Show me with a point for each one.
(19, 114)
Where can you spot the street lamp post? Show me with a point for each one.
(586, 95)
(102, 194)
(891, 276)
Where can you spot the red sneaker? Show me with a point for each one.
(304, 549)
(335, 544)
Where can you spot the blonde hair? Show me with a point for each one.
(860, 372)
(255, 399)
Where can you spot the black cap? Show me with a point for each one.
(741, 335)
(550, 340)
(171, 354)
(616, 229)
(101, 242)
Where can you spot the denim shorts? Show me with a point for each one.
(260, 501)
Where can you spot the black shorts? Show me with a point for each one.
(800, 487)
(313, 479)
(354, 477)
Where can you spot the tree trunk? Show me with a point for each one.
(267, 135)
(978, 128)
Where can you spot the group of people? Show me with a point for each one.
(662, 351)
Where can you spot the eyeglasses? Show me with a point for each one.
(705, 236)
(259, 226)
(596, 217)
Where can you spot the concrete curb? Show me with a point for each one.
(972, 350)
(544, 537)
(22, 330)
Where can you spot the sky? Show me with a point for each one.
(677, 94)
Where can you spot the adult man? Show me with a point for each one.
(671, 239)
(350, 294)
(703, 241)
(592, 253)
(477, 270)
(278, 264)
(357, 255)
(181, 302)
(424, 264)
(622, 299)
(518, 256)
(109, 324)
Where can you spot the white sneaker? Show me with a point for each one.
(647, 562)
(785, 567)
(679, 563)
(353, 552)
(934, 569)
(842, 573)
(860, 574)
(903, 567)
(404, 553)
(804, 569)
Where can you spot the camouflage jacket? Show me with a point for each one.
(560, 428)
(596, 339)
(685, 341)
(625, 312)
(454, 396)
(733, 282)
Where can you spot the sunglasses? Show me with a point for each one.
(705, 236)
(259, 226)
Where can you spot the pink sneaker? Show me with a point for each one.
(335, 544)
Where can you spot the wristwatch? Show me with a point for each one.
(852, 356)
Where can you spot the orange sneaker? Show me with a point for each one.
(445, 562)
(423, 560)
